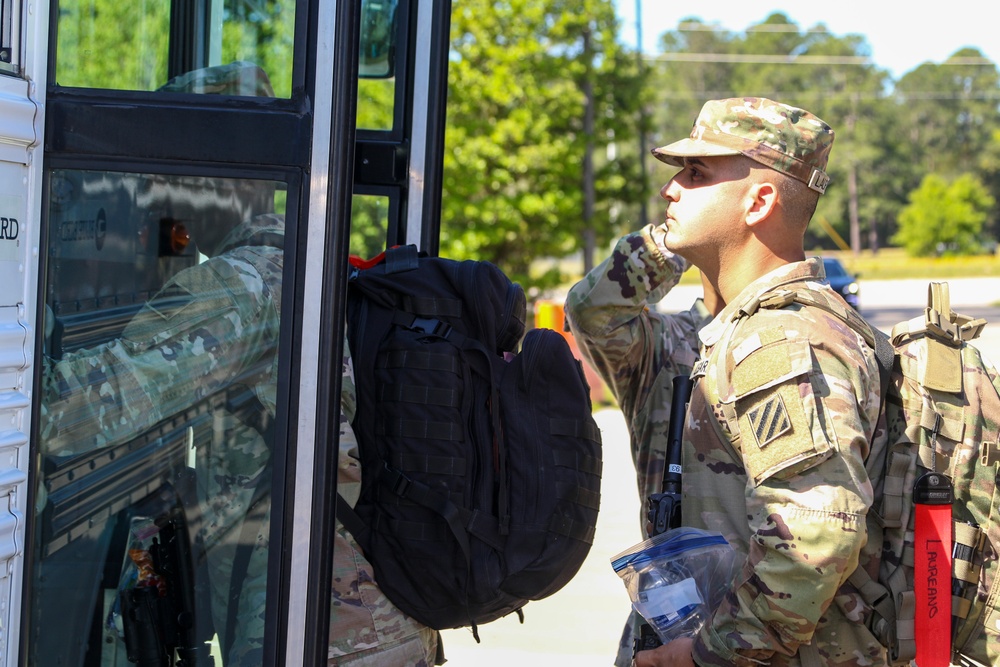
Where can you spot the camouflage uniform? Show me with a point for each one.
(783, 411)
(637, 351)
(213, 326)
(785, 405)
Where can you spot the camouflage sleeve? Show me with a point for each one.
(805, 401)
(634, 349)
(609, 316)
(210, 325)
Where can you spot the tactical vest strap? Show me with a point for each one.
(939, 321)
(893, 611)
(893, 490)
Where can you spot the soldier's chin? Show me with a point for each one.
(674, 244)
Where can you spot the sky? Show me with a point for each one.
(901, 35)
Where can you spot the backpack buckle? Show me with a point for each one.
(989, 453)
(397, 482)
(431, 327)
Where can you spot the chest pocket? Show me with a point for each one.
(774, 407)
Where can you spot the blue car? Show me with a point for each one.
(844, 282)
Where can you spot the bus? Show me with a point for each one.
(137, 139)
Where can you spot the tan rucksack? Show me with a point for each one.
(941, 402)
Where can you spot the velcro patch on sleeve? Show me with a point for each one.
(776, 436)
(768, 364)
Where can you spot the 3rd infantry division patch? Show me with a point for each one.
(769, 420)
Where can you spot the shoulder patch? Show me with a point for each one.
(769, 365)
(769, 420)
(777, 440)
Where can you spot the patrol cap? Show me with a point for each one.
(782, 137)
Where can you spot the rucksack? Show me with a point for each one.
(480, 464)
(941, 409)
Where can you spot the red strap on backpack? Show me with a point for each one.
(359, 262)
(932, 494)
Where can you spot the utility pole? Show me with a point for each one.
(644, 199)
(589, 195)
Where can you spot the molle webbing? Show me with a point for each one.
(939, 321)
(936, 369)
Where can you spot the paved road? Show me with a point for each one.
(581, 624)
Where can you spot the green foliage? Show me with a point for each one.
(369, 220)
(945, 218)
(376, 103)
(124, 45)
(936, 119)
(110, 44)
(516, 134)
(262, 33)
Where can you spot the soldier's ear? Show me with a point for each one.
(761, 202)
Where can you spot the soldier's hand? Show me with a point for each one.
(675, 654)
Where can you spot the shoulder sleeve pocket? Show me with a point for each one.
(771, 386)
(205, 295)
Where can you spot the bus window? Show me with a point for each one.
(377, 65)
(376, 108)
(369, 222)
(157, 403)
(232, 47)
(10, 31)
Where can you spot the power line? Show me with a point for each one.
(697, 95)
(760, 59)
(694, 26)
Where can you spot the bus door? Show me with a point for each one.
(175, 206)
(20, 172)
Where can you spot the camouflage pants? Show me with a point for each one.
(416, 650)
(235, 496)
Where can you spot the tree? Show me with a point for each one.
(516, 137)
(945, 218)
(989, 168)
(949, 111)
(124, 45)
(811, 68)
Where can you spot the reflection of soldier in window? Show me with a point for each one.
(214, 327)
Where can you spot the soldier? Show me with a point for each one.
(637, 351)
(212, 326)
(365, 628)
(786, 399)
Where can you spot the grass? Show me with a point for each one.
(894, 263)
(887, 264)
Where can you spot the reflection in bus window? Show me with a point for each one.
(140, 46)
(376, 103)
(158, 397)
(10, 32)
(369, 221)
(377, 65)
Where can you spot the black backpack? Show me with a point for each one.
(481, 466)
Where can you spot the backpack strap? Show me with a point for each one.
(876, 339)
(351, 521)
(939, 321)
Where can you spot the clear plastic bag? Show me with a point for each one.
(137, 570)
(676, 579)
